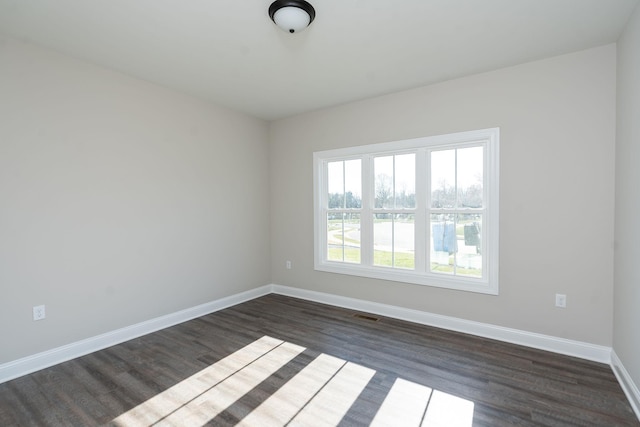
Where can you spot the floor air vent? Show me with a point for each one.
(366, 317)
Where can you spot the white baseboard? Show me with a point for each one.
(29, 364)
(627, 384)
(567, 347)
(36, 362)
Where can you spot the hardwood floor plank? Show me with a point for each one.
(504, 384)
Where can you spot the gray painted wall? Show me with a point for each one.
(118, 204)
(626, 341)
(557, 121)
(120, 201)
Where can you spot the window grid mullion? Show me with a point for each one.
(323, 198)
(366, 219)
(455, 215)
(421, 236)
(393, 216)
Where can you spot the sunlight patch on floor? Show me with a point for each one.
(319, 395)
(446, 410)
(406, 403)
(285, 403)
(334, 400)
(412, 404)
(183, 399)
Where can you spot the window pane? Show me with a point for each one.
(469, 237)
(470, 177)
(335, 184)
(443, 179)
(405, 180)
(353, 184)
(343, 237)
(443, 243)
(403, 241)
(383, 172)
(393, 240)
(383, 240)
(352, 237)
(456, 244)
(335, 246)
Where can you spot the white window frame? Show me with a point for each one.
(488, 138)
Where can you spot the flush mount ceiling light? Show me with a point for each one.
(292, 16)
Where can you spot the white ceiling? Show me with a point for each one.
(229, 51)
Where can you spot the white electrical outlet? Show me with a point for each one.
(561, 300)
(288, 265)
(38, 312)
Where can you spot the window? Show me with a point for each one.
(421, 211)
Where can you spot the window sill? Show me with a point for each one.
(412, 277)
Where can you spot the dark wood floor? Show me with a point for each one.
(508, 384)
